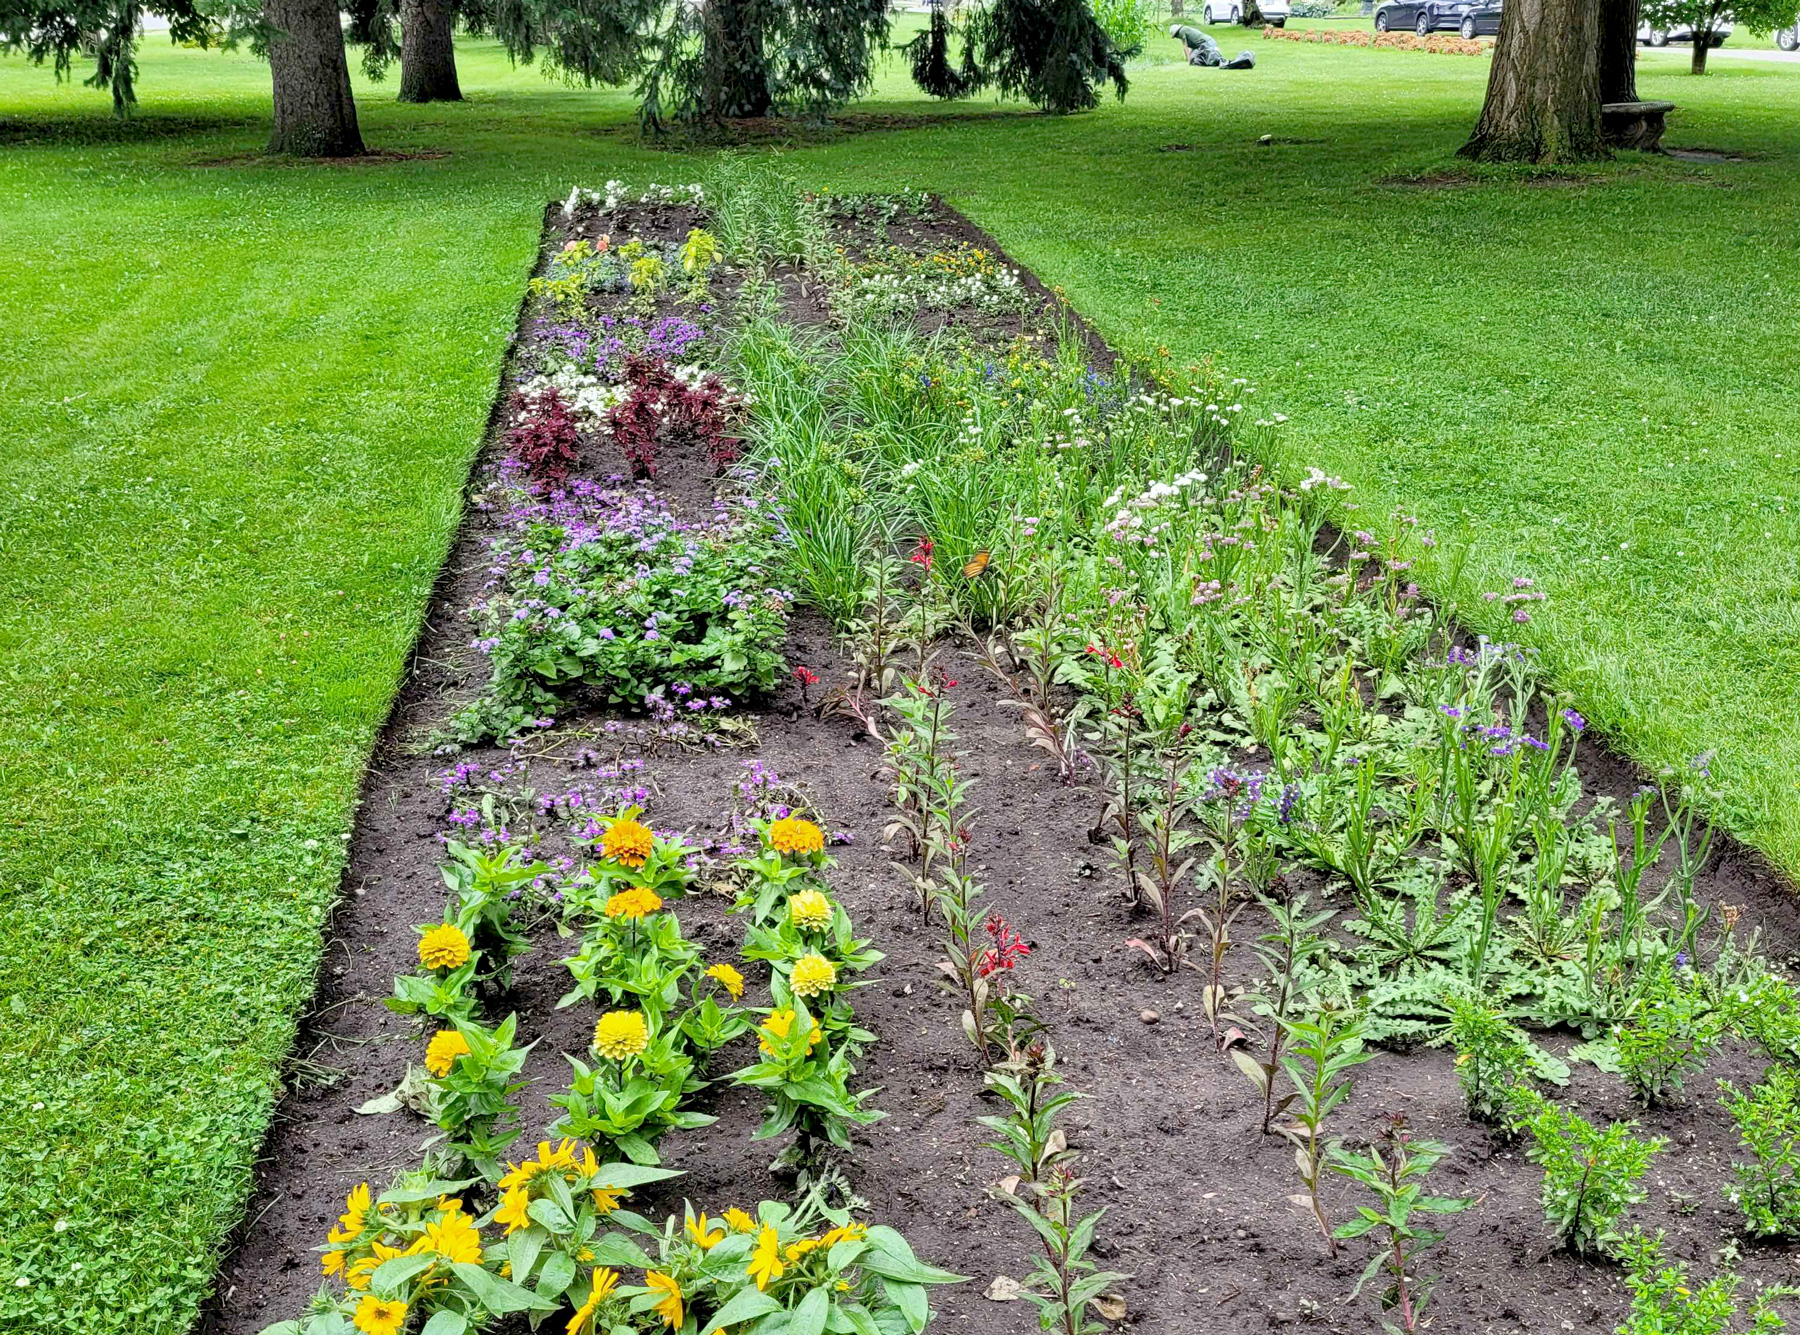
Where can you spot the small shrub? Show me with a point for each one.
(1664, 1301)
(1493, 1057)
(1591, 1177)
(1669, 1037)
(1768, 1122)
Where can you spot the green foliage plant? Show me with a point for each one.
(1323, 1044)
(1591, 1177)
(1393, 1171)
(1767, 1188)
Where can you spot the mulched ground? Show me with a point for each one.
(1168, 1133)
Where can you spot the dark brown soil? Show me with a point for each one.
(1168, 1133)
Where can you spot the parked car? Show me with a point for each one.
(1274, 12)
(1663, 36)
(1788, 39)
(1422, 16)
(1481, 19)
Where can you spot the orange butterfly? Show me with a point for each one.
(974, 568)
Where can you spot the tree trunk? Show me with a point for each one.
(427, 52)
(315, 116)
(1702, 44)
(1543, 94)
(1618, 50)
(737, 83)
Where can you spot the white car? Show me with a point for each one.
(1274, 12)
(1788, 39)
(1663, 36)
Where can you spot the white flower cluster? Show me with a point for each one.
(894, 294)
(1316, 478)
(1128, 524)
(617, 193)
(588, 397)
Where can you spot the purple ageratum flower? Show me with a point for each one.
(1451, 711)
(1289, 795)
(1575, 721)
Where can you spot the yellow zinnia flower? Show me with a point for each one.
(514, 1211)
(777, 1026)
(453, 1237)
(765, 1262)
(702, 1234)
(791, 834)
(669, 1309)
(730, 977)
(739, 1221)
(628, 841)
(637, 902)
(444, 947)
(621, 1034)
(380, 1316)
(810, 911)
(812, 975)
(446, 1046)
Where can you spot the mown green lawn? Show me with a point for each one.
(238, 399)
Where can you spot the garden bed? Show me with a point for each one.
(1169, 1134)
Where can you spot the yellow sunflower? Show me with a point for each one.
(810, 911)
(813, 974)
(637, 902)
(356, 1210)
(739, 1221)
(701, 1232)
(628, 841)
(515, 1209)
(562, 1156)
(765, 1261)
(582, 1323)
(363, 1267)
(669, 1309)
(453, 1237)
(444, 947)
(730, 977)
(621, 1034)
(793, 835)
(446, 1046)
(380, 1316)
(851, 1232)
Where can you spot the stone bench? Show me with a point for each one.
(1634, 124)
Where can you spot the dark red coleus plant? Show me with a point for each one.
(661, 409)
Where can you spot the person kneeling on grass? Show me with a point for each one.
(1202, 50)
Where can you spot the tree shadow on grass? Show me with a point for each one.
(96, 131)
